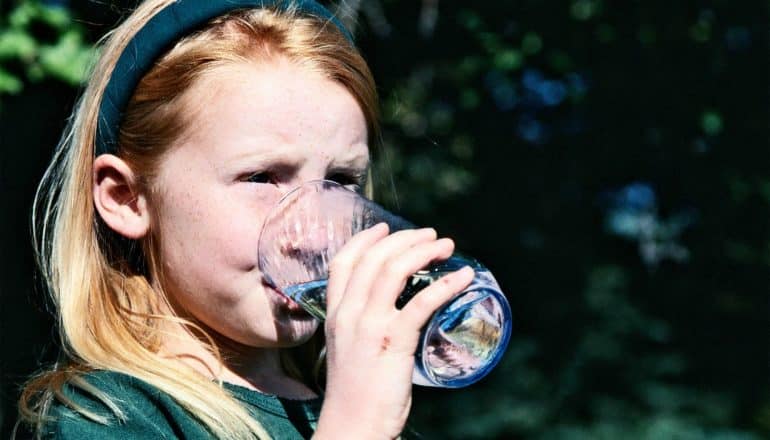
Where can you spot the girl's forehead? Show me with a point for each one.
(274, 107)
(274, 110)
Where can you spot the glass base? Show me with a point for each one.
(464, 340)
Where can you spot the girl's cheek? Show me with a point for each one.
(258, 194)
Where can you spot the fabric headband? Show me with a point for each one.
(157, 36)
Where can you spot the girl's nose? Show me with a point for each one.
(310, 170)
(310, 235)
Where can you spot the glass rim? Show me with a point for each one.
(312, 182)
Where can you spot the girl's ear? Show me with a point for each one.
(118, 199)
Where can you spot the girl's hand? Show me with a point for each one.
(371, 344)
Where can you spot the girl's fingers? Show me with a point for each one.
(370, 264)
(392, 278)
(343, 262)
(419, 309)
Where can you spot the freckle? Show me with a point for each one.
(385, 343)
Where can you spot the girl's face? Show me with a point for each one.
(255, 133)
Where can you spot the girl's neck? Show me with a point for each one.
(256, 368)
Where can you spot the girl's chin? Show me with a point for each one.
(293, 323)
(284, 332)
(291, 332)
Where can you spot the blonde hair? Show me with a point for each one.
(107, 290)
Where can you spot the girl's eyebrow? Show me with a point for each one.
(353, 163)
(357, 160)
(289, 160)
(271, 158)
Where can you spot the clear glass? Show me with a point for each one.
(462, 341)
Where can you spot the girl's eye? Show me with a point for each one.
(349, 180)
(259, 178)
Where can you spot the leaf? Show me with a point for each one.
(68, 59)
(15, 43)
(9, 83)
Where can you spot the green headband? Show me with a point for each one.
(157, 36)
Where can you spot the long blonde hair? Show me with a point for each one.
(106, 289)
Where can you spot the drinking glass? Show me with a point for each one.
(463, 340)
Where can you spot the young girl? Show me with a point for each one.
(198, 116)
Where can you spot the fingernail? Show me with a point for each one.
(380, 226)
(465, 270)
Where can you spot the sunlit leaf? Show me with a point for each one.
(17, 44)
(9, 83)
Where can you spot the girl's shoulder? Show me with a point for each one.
(110, 405)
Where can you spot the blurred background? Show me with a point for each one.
(608, 161)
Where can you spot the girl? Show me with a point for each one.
(198, 116)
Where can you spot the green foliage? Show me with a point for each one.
(585, 9)
(442, 171)
(66, 57)
(9, 83)
(711, 122)
(631, 354)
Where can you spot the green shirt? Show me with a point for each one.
(153, 414)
